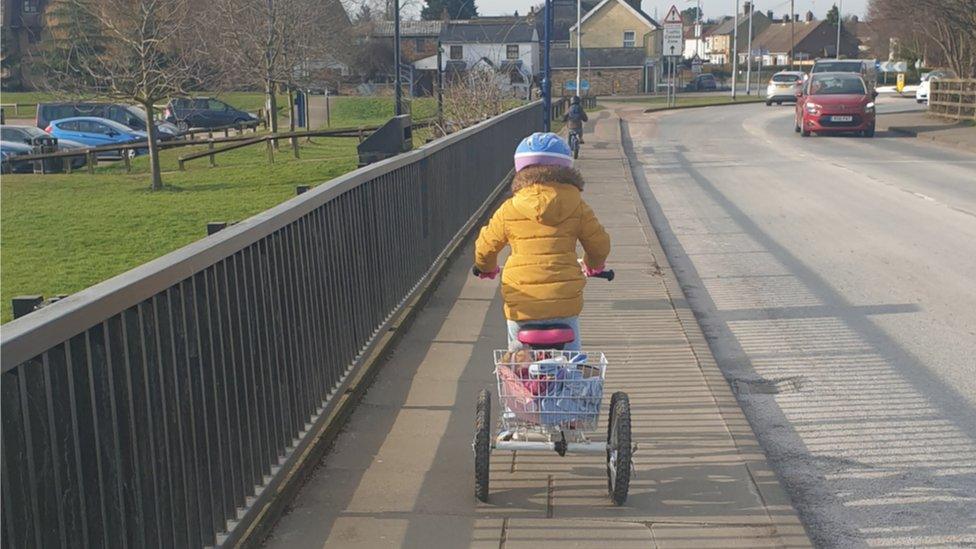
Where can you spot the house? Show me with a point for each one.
(608, 71)
(809, 39)
(23, 25)
(719, 40)
(696, 44)
(619, 24)
(563, 17)
(418, 39)
(506, 45)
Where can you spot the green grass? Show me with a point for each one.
(660, 102)
(63, 233)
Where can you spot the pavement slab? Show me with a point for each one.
(401, 473)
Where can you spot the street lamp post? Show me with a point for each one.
(735, 48)
(579, 44)
(749, 48)
(398, 92)
(840, 6)
(546, 83)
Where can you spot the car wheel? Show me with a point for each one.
(779, 102)
(769, 103)
(868, 132)
(796, 126)
(805, 133)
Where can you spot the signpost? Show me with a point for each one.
(900, 86)
(673, 46)
(696, 64)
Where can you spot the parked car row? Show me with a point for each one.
(20, 140)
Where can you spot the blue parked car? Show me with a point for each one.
(96, 132)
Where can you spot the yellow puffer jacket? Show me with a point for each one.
(542, 222)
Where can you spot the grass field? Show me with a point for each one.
(344, 110)
(62, 233)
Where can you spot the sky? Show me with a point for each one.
(710, 8)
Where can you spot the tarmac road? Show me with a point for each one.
(835, 278)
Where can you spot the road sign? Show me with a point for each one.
(901, 82)
(696, 64)
(673, 33)
(571, 85)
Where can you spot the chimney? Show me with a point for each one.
(746, 8)
(446, 17)
(769, 14)
(786, 18)
(796, 17)
(854, 19)
(809, 16)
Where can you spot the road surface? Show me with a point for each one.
(835, 278)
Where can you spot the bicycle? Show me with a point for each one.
(550, 399)
(574, 143)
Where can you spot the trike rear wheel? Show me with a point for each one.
(619, 448)
(482, 445)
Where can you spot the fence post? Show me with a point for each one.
(127, 160)
(301, 189)
(294, 146)
(213, 161)
(270, 151)
(66, 164)
(91, 162)
(227, 132)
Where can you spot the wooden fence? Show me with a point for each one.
(953, 98)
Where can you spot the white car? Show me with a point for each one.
(782, 87)
(922, 92)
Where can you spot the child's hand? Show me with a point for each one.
(588, 271)
(490, 275)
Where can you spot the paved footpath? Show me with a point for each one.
(402, 473)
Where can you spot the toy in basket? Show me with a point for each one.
(549, 399)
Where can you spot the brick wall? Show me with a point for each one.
(602, 81)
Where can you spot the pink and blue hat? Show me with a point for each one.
(543, 149)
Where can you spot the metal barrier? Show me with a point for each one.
(953, 98)
(164, 406)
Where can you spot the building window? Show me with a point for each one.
(457, 53)
(30, 6)
(511, 51)
(630, 39)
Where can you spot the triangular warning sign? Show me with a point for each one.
(673, 16)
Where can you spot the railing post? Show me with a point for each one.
(91, 162)
(294, 146)
(270, 151)
(213, 161)
(127, 160)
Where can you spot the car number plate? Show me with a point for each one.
(841, 118)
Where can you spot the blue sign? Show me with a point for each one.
(571, 85)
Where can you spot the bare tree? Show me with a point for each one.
(932, 29)
(271, 43)
(135, 50)
(472, 97)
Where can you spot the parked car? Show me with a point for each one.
(835, 102)
(96, 132)
(206, 112)
(782, 87)
(9, 151)
(922, 92)
(702, 82)
(865, 68)
(131, 116)
(35, 136)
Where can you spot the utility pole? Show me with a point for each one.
(579, 44)
(546, 83)
(792, 35)
(398, 101)
(840, 5)
(752, 8)
(735, 48)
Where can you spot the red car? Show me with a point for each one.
(835, 102)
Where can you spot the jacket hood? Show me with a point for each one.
(548, 202)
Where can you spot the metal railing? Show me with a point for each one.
(163, 406)
(953, 98)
